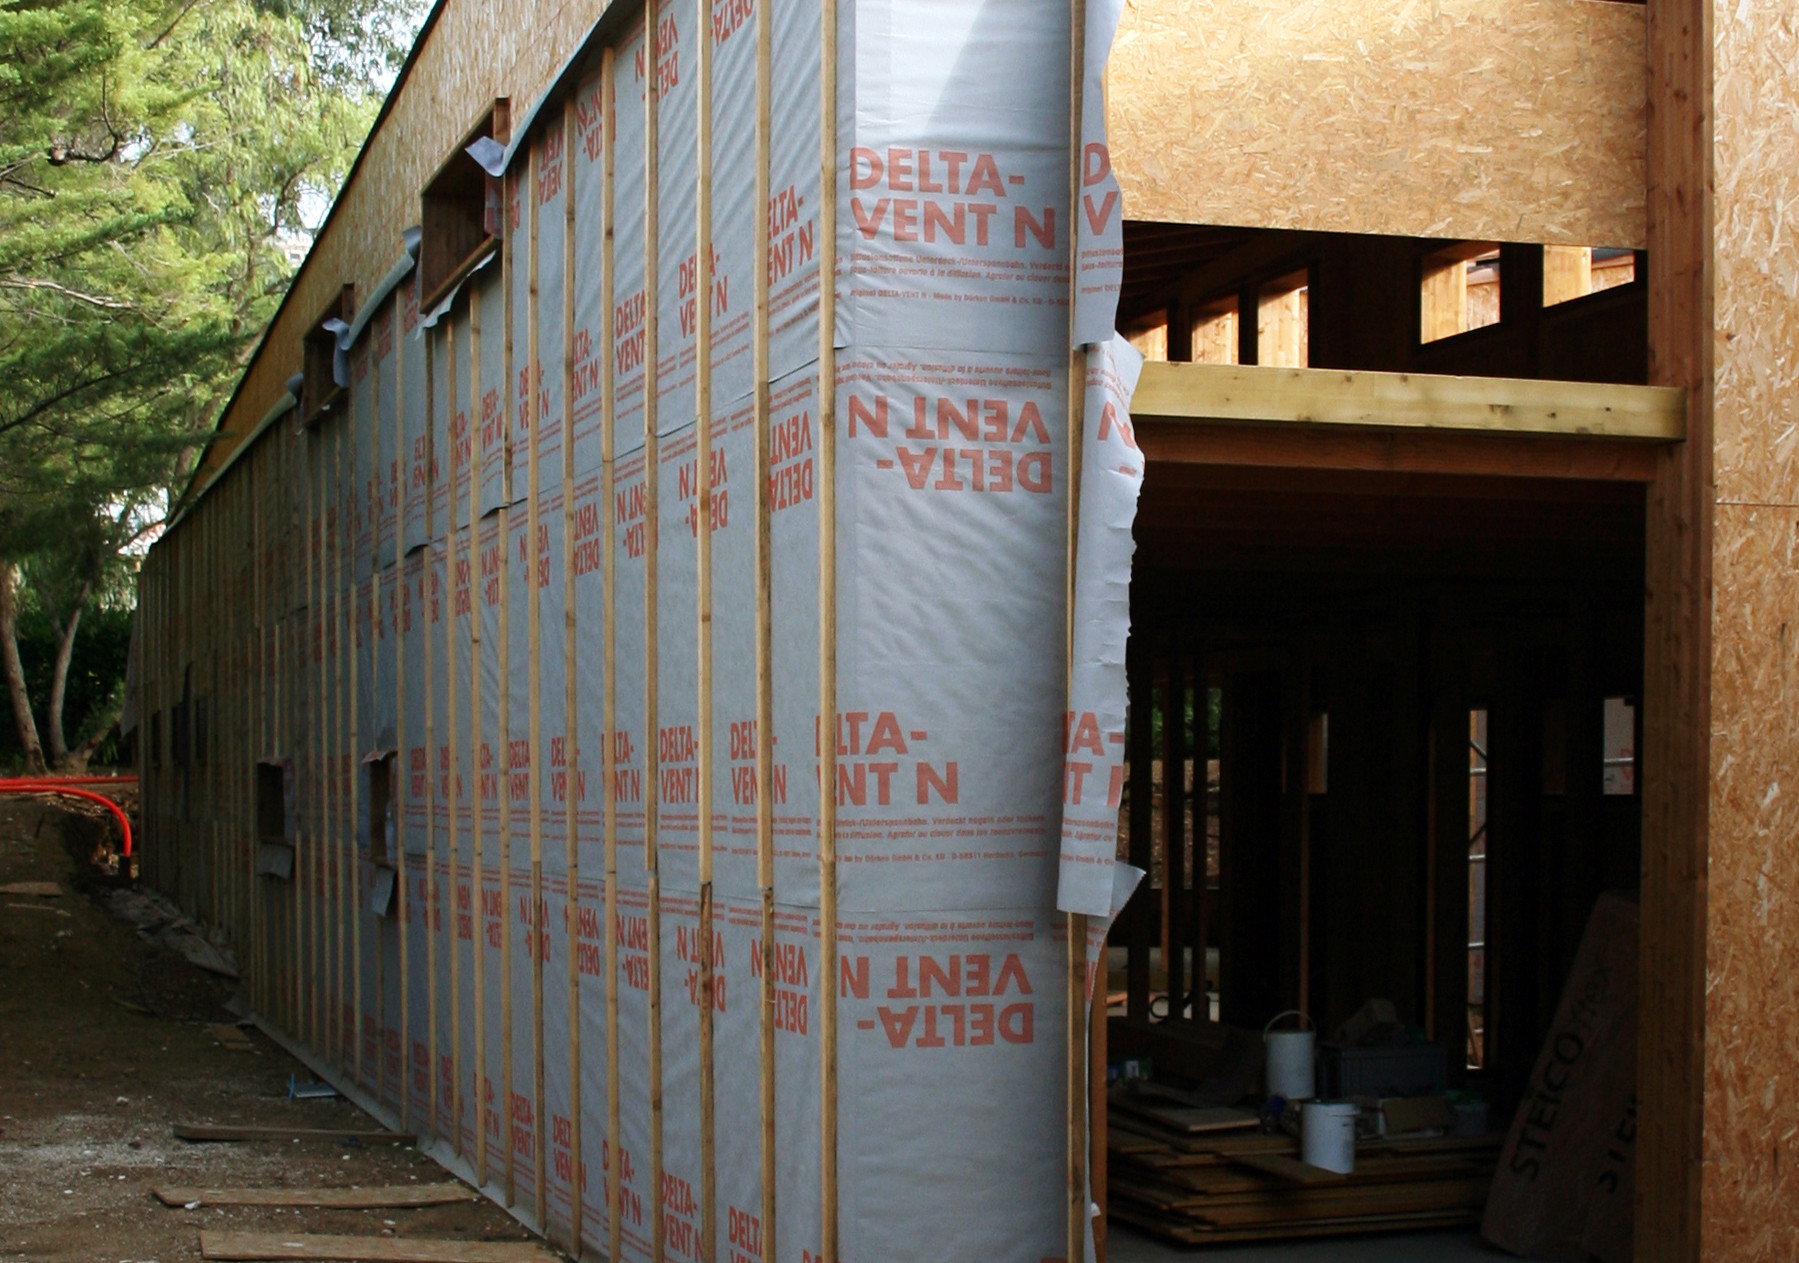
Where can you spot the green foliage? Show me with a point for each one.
(96, 675)
(163, 165)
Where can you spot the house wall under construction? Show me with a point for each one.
(481, 676)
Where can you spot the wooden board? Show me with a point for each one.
(1333, 397)
(46, 889)
(210, 1132)
(275, 1245)
(1504, 120)
(1288, 1169)
(1187, 1119)
(388, 1195)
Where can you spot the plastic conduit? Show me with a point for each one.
(47, 785)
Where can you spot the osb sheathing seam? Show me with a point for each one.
(1750, 1182)
(478, 49)
(1515, 120)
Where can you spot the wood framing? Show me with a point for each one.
(1677, 661)
(1330, 398)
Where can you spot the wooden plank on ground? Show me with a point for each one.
(277, 1245)
(385, 1195)
(44, 889)
(210, 1132)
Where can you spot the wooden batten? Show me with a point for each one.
(609, 643)
(1437, 120)
(509, 263)
(703, 591)
(534, 667)
(571, 677)
(427, 597)
(652, 247)
(453, 742)
(403, 772)
(827, 634)
(477, 737)
(765, 720)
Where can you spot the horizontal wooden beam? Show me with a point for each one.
(1335, 399)
(1396, 451)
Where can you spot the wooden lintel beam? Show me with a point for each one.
(1396, 451)
(1332, 398)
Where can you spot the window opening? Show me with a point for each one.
(461, 210)
(1479, 1052)
(320, 387)
(1571, 272)
(1150, 336)
(1215, 333)
(383, 843)
(274, 852)
(1283, 316)
(1460, 290)
(1620, 747)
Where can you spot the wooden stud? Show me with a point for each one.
(571, 684)
(652, 175)
(702, 394)
(534, 616)
(1677, 662)
(608, 659)
(477, 739)
(765, 721)
(827, 629)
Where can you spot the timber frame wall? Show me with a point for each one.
(1670, 99)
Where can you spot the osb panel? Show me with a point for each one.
(1750, 1186)
(1756, 157)
(1511, 120)
(477, 50)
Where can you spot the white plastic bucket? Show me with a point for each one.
(1289, 1070)
(1327, 1135)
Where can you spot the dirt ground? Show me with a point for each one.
(104, 1044)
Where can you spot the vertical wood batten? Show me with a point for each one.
(477, 736)
(1677, 640)
(652, 174)
(765, 818)
(534, 668)
(609, 653)
(1076, 1195)
(827, 628)
(402, 797)
(702, 395)
(453, 775)
(572, 796)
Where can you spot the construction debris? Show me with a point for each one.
(266, 1245)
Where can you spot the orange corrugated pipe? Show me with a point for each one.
(67, 785)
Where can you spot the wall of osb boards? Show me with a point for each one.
(1750, 1192)
(1508, 120)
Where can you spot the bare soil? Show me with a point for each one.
(104, 1045)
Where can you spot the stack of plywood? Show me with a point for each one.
(1237, 1186)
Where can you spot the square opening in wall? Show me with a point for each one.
(463, 215)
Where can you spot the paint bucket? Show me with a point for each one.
(1289, 1071)
(1327, 1135)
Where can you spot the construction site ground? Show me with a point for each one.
(106, 1043)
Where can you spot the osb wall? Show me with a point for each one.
(1750, 1193)
(1513, 120)
(477, 50)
